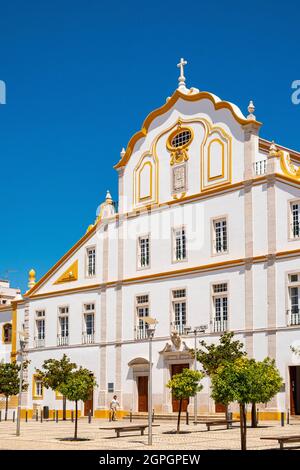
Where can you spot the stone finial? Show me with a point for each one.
(108, 197)
(273, 149)
(251, 109)
(122, 153)
(31, 278)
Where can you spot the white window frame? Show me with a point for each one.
(139, 252)
(40, 316)
(293, 226)
(91, 274)
(175, 230)
(89, 308)
(141, 327)
(219, 325)
(214, 222)
(176, 299)
(62, 338)
(293, 312)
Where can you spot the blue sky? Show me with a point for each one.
(81, 77)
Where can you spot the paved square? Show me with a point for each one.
(47, 435)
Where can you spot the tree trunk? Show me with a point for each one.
(226, 412)
(64, 409)
(6, 408)
(243, 426)
(76, 407)
(179, 414)
(253, 416)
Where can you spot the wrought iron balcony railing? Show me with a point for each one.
(62, 340)
(219, 325)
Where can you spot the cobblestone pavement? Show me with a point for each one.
(47, 435)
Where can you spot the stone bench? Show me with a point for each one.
(283, 439)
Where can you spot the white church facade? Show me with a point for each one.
(206, 232)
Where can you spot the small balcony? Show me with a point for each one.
(219, 325)
(141, 333)
(88, 338)
(62, 340)
(39, 342)
(260, 167)
(293, 316)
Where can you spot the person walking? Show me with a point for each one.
(114, 405)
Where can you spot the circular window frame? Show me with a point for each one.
(174, 134)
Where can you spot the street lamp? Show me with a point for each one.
(151, 322)
(22, 347)
(195, 331)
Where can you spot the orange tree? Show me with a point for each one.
(183, 386)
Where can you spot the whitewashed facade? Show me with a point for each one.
(207, 232)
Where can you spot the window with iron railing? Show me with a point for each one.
(88, 335)
(63, 325)
(220, 307)
(293, 312)
(179, 309)
(142, 310)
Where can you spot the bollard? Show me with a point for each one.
(90, 417)
(14, 416)
(130, 416)
(0, 416)
(229, 418)
(72, 416)
(187, 417)
(56, 416)
(109, 416)
(26, 416)
(257, 414)
(36, 415)
(53, 415)
(288, 417)
(282, 418)
(152, 416)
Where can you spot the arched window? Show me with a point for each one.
(7, 333)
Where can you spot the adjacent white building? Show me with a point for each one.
(206, 232)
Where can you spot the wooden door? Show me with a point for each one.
(177, 369)
(143, 393)
(88, 405)
(220, 408)
(295, 390)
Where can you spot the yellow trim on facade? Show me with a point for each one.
(209, 177)
(69, 275)
(13, 354)
(166, 107)
(34, 394)
(262, 415)
(64, 258)
(149, 196)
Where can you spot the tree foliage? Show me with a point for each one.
(55, 372)
(183, 386)
(78, 386)
(214, 355)
(245, 381)
(10, 381)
